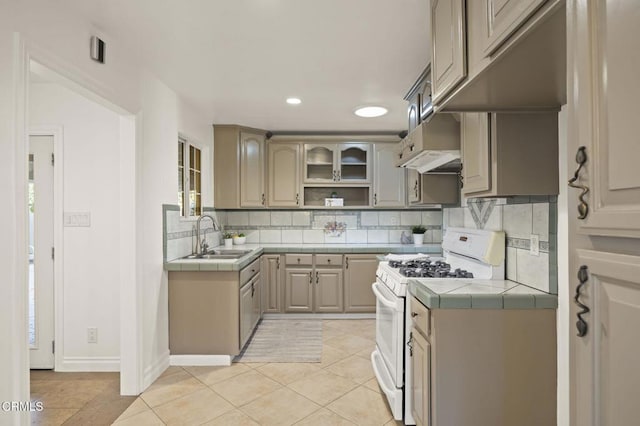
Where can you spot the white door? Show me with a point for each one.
(41, 252)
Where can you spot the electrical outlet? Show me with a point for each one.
(92, 335)
(534, 249)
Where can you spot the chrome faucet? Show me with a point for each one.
(202, 245)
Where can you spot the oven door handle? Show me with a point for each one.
(386, 302)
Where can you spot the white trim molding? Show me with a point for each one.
(200, 360)
(154, 371)
(92, 364)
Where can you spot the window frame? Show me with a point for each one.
(186, 168)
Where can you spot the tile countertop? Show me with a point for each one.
(259, 249)
(480, 294)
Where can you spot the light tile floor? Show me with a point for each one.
(340, 390)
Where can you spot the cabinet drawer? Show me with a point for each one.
(328, 259)
(298, 259)
(249, 271)
(420, 316)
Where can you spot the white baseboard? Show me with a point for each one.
(319, 316)
(208, 360)
(152, 372)
(89, 364)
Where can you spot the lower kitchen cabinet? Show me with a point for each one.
(250, 308)
(482, 366)
(313, 283)
(298, 286)
(421, 377)
(213, 313)
(327, 294)
(359, 274)
(271, 283)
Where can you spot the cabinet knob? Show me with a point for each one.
(414, 314)
(328, 260)
(298, 260)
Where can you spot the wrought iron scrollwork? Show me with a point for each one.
(581, 324)
(581, 159)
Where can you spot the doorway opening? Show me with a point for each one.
(90, 247)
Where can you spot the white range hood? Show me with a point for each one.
(431, 145)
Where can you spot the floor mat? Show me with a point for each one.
(284, 340)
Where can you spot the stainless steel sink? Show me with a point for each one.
(219, 254)
(227, 252)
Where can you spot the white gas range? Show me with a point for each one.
(472, 262)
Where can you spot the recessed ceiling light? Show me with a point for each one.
(371, 111)
(294, 101)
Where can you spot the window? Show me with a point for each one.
(189, 179)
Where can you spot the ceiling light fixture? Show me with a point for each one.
(294, 101)
(371, 111)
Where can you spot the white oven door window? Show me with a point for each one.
(390, 330)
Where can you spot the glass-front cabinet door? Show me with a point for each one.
(319, 163)
(353, 162)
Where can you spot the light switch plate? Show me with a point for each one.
(77, 219)
(534, 248)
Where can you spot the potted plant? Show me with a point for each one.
(418, 234)
(239, 239)
(228, 239)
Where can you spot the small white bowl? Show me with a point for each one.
(239, 240)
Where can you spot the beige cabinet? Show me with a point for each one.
(506, 154)
(239, 166)
(313, 283)
(421, 377)
(327, 295)
(432, 188)
(603, 378)
(389, 182)
(271, 283)
(515, 55)
(250, 308)
(337, 163)
(252, 163)
(457, 354)
(503, 17)
(359, 274)
(283, 174)
(298, 288)
(476, 149)
(604, 232)
(448, 37)
(213, 313)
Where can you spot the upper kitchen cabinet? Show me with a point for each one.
(605, 65)
(238, 167)
(432, 188)
(505, 154)
(283, 171)
(337, 163)
(419, 99)
(514, 58)
(389, 181)
(448, 55)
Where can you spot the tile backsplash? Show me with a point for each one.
(331, 226)
(179, 234)
(519, 217)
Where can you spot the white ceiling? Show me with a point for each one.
(238, 60)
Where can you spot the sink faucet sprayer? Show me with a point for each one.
(202, 245)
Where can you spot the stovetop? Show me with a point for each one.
(427, 268)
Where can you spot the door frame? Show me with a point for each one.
(25, 52)
(57, 133)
